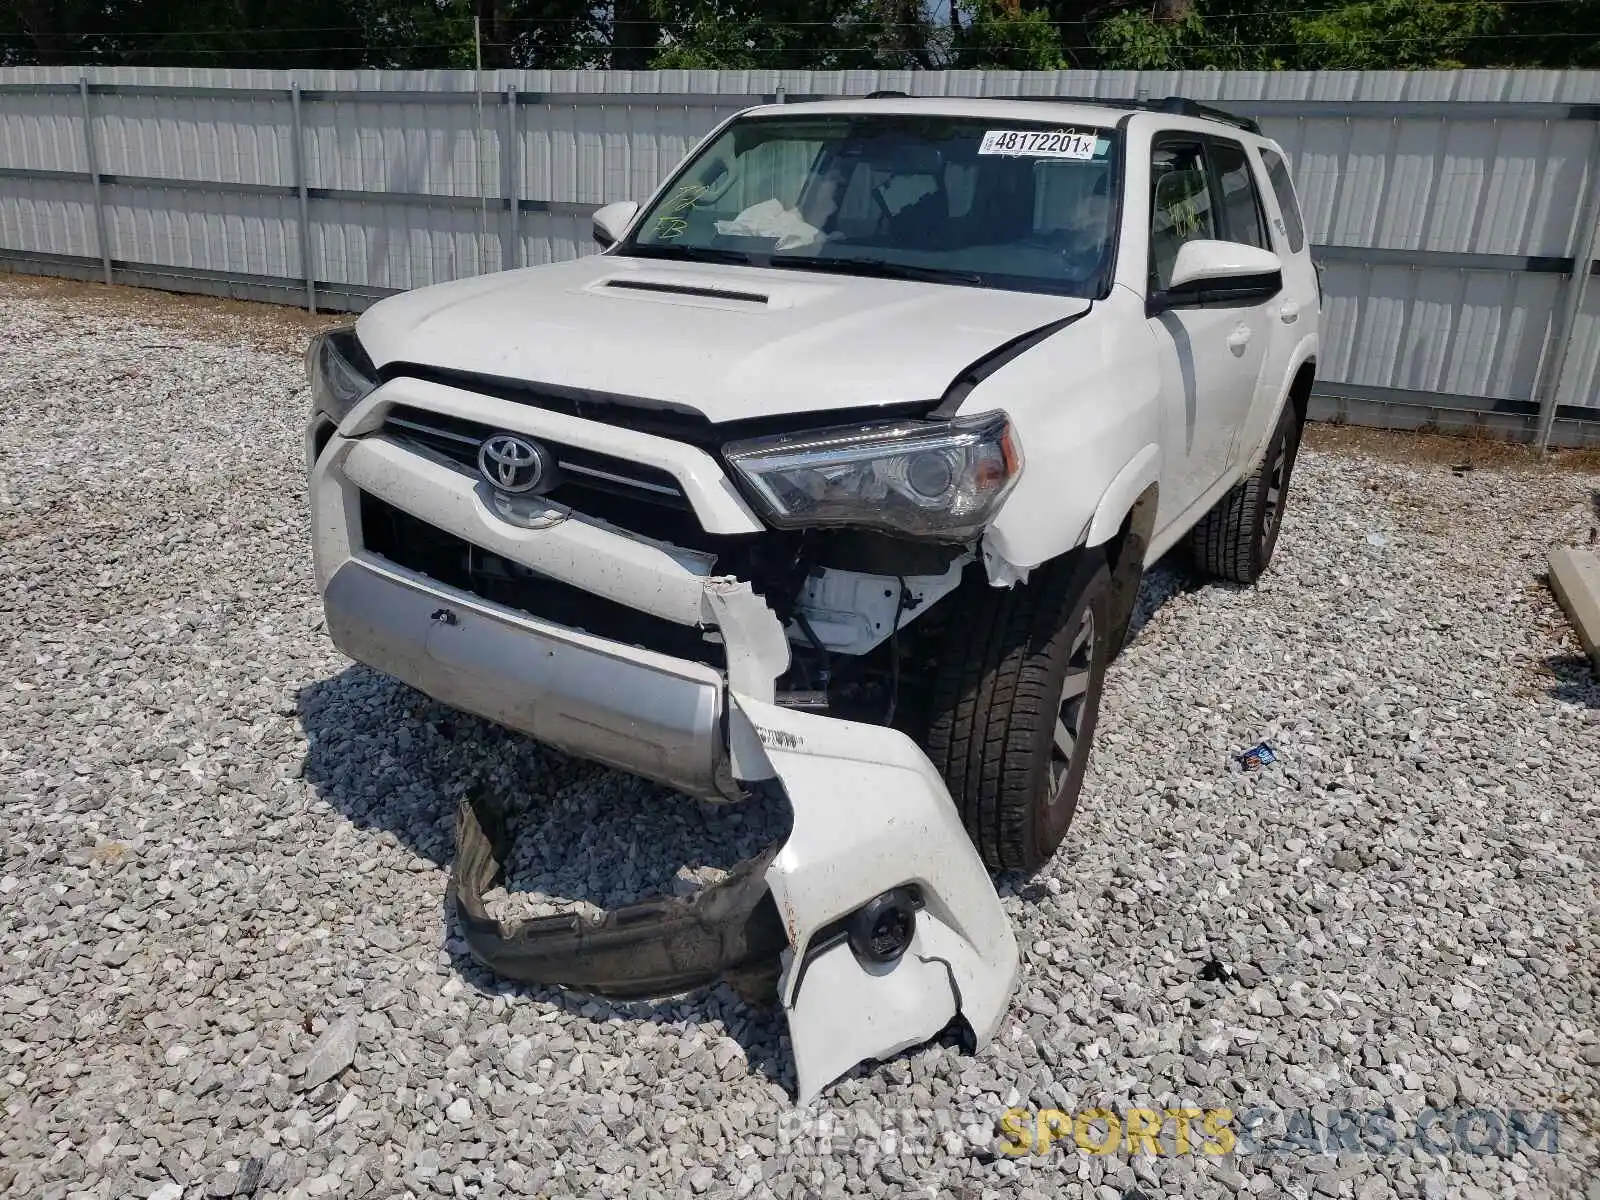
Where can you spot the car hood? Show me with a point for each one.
(728, 342)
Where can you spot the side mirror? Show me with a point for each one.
(1220, 272)
(611, 222)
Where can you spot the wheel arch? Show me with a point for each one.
(1300, 387)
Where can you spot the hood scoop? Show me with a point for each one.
(687, 289)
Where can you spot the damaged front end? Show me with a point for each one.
(882, 915)
(640, 614)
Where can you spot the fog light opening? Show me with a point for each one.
(881, 929)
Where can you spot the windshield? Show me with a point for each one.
(1005, 204)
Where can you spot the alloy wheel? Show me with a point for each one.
(1074, 695)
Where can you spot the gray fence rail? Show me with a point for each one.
(1455, 213)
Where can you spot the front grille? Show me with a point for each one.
(582, 472)
(455, 562)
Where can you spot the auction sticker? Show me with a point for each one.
(1040, 143)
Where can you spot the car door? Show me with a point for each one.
(1210, 346)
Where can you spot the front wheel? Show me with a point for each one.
(1014, 704)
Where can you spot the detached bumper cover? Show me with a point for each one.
(653, 948)
(870, 814)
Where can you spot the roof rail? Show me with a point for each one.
(1180, 106)
(1183, 106)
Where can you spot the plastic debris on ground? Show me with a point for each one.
(1256, 757)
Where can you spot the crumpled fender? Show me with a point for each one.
(871, 814)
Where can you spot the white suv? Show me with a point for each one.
(835, 473)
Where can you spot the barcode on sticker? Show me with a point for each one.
(1040, 143)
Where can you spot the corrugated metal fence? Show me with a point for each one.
(1455, 212)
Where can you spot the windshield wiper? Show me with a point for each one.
(873, 267)
(688, 254)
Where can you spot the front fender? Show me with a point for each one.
(870, 815)
(1084, 405)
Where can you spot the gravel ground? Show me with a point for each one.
(228, 969)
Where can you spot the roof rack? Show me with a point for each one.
(1180, 106)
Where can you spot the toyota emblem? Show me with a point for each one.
(511, 463)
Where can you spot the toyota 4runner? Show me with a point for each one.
(834, 473)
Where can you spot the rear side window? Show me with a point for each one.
(1241, 206)
(1278, 175)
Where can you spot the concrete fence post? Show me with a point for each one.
(297, 158)
(92, 163)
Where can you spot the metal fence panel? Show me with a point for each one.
(41, 132)
(186, 137)
(1447, 207)
(48, 216)
(387, 246)
(209, 231)
(435, 149)
(1581, 386)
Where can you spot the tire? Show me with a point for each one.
(1017, 663)
(1235, 539)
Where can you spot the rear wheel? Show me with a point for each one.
(1235, 539)
(1014, 705)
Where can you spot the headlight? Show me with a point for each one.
(339, 370)
(921, 479)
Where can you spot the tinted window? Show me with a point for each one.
(1180, 205)
(1278, 175)
(1240, 205)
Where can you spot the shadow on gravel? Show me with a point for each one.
(393, 761)
(1572, 678)
(1171, 576)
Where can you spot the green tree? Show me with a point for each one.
(1394, 34)
(1266, 35)
(1564, 34)
(997, 34)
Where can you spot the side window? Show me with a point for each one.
(1180, 205)
(1278, 175)
(1241, 206)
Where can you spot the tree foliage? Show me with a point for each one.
(822, 34)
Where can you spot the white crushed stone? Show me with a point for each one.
(224, 849)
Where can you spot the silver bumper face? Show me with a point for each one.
(642, 712)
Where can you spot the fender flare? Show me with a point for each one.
(1124, 490)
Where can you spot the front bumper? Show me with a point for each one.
(642, 712)
(870, 812)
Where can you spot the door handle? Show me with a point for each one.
(1290, 312)
(1239, 338)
